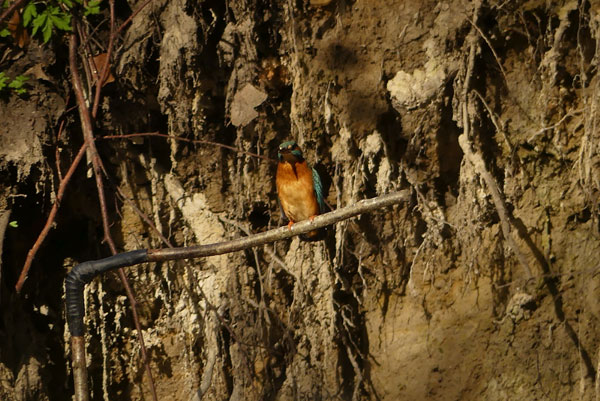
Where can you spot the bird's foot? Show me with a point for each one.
(290, 224)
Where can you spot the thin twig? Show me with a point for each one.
(10, 9)
(131, 17)
(50, 221)
(487, 41)
(494, 121)
(86, 49)
(505, 220)
(106, 67)
(477, 161)
(57, 151)
(196, 141)
(501, 130)
(86, 123)
(142, 216)
(553, 126)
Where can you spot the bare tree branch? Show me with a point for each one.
(195, 141)
(364, 206)
(11, 9)
(59, 195)
(86, 124)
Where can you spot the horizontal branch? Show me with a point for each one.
(85, 272)
(182, 139)
(364, 206)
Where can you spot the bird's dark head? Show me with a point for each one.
(289, 152)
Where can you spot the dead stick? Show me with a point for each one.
(106, 67)
(364, 206)
(477, 161)
(86, 122)
(11, 9)
(79, 368)
(59, 195)
(197, 141)
(57, 151)
(85, 272)
(132, 16)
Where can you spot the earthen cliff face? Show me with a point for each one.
(483, 287)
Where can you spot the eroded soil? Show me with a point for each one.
(483, 286)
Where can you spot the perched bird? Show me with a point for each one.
(298, 186)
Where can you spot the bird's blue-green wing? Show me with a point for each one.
(318, 190)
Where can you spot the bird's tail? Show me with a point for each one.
(315, 235)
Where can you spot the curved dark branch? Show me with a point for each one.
(82, 274)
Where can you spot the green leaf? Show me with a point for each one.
(18, 81)
(68, 3)
(92, 8)
(4, 33)
(3, 79)
(38, 22)
(13, 224)
(16, 85)
(62, 22)
(47, 31)
(29, 13)
(91, 11)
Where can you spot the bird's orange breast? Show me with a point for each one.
(296, 191)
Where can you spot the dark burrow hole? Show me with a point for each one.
(259, 215)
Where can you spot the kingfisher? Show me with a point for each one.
(299, 187)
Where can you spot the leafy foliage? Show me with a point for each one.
(17, 84)
(4, 32)
(50, 16)
(92, 8)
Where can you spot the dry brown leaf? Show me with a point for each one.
(97, 65)
(17, 31)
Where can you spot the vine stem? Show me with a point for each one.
(106, 67)
(196, 141)
(86, 124)
(85, 272)
(59, 195)
(131, 17)
(11, 9)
